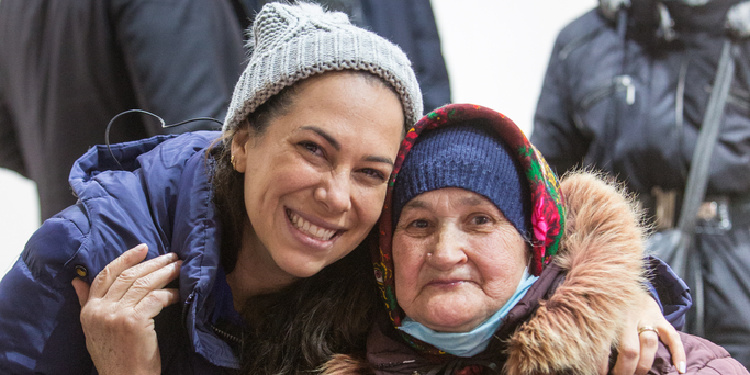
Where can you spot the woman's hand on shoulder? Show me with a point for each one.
(639, 342)
(118, 310)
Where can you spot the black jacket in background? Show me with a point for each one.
(621, 97)
(610, 101)
(67, 67)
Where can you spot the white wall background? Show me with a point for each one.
(496, 52)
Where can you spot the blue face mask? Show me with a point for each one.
(467, 344)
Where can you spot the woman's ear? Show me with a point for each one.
(239, 150)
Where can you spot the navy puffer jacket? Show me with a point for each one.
(160, 195)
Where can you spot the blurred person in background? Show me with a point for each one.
(68, 67)
(626, 90)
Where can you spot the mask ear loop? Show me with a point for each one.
(161, 121)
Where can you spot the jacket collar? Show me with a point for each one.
(158, 191)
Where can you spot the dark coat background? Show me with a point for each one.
(68, 67)
(610, 100)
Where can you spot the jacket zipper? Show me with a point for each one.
(618, 83)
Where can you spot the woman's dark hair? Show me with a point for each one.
(229, 184)
(297, 330)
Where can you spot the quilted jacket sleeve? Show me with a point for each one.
(40, 331)
(703, 357)
(669, 290)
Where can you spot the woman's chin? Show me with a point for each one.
(451, 321)
(448, 312)
(296, 265)
(297, 270)
(301, 262)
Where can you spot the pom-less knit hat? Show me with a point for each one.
(289, 43)
(467, 156)
(547, 210)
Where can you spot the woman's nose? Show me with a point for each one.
(449, 249)
(335, 193)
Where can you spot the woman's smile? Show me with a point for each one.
(448, 282)
(319, 232)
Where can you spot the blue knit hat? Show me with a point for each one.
(468, 157)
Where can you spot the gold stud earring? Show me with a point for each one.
(231, 160)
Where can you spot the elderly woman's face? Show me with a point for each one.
(457, 259)
(315, 180)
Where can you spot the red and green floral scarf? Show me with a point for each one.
(548, 209)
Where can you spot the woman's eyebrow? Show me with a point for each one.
(465, 201)
(415, 203)
(329, 138)
(379, 159)
(337, 146)
(472, 201)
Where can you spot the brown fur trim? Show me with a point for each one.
(344, 364)
(579, 324)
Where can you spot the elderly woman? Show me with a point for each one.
(487, 265)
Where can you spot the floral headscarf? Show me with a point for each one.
(548, 210)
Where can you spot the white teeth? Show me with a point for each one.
(310, 229)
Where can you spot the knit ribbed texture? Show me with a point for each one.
(468, 157)
(289, 43)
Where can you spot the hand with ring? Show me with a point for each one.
(647, 326)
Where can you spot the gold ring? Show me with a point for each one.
(647, 328)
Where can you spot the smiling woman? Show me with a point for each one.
(266, 213)
(314, 190)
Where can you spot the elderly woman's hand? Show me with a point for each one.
(640, 340)
(117, 311)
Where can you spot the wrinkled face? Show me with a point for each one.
(315, 180)
(457, 259)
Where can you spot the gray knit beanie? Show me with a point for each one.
(289, 43)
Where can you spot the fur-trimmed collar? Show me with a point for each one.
(579, 323)
(603, 256)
